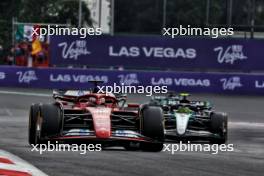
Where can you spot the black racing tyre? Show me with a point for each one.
(33, 115)
(51, 120)
(219, 126)
(152, 127)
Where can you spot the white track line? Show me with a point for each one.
(25, 93)
(19, 164)
(246, 124)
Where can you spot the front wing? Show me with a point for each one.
(88, 136)
(191, 135)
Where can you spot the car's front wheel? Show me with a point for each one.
(44, 121)
(219, 126)
(51, 122)
(33, 116)
(152, 127)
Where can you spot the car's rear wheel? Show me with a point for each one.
(219, 126)
(33, 115)
(152, 127)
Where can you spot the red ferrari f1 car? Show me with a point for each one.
(90, 117)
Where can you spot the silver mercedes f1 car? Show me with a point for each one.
(191, 120)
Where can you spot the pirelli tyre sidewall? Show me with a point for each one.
(152, 126)
(49, 121)
(33, 115)
(219, 126)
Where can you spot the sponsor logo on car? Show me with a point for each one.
(27, 76)
(230, 54)
(102, 111)
(78, 132)
(125, 133)
(231, 83)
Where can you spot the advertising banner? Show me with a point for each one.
(158, 52)
(53, 78)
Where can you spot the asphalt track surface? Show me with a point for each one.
(246, 132)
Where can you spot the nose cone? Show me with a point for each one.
(101, 121)
(103, 133)
(182, 122)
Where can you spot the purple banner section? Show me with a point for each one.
(158, 52)
(53, 78)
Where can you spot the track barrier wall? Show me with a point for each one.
(141, 52)
(62, 78)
